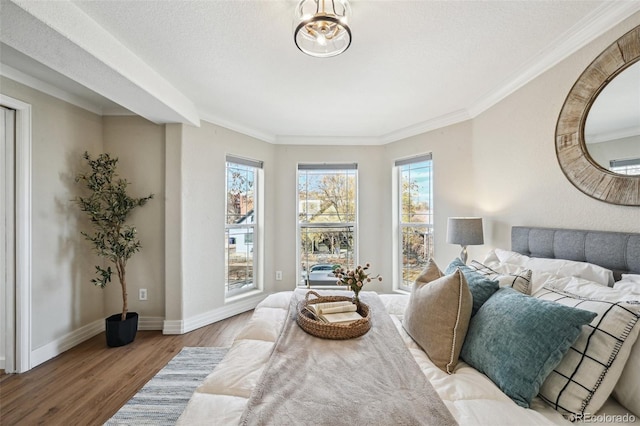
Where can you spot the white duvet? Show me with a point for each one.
(471, 397)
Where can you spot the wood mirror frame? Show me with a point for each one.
(576, 163)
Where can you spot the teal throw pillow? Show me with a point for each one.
(481, 287)
(517, 340)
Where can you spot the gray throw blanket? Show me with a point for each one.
(369, 380)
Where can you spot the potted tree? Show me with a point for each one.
(108, 205)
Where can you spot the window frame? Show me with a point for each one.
(627, 166)
(350, 226)
(400, 225)
(255, 226)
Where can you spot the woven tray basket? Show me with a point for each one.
(308, 323)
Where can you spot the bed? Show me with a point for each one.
(597, 381)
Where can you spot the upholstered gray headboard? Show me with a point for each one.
(618, 251)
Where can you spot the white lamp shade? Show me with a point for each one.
(466, 231)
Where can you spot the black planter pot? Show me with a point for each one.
(120, 333)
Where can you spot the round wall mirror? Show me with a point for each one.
(598, 147)
(612, 129)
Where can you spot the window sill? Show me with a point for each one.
(242, 296)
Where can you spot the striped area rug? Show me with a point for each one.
(161, 401)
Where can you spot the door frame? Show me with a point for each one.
(20, 341)
(7, 238)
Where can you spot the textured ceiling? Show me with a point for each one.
(412, 66)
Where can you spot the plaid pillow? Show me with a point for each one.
(589, 371)
(520, 281)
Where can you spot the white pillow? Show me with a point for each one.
(627, 390)
(635, 278)
(590, 289)
(590, 370)
(629, 283)
(517, 278)
(558, 267)
(491, 259)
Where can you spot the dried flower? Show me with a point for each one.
(356, 278)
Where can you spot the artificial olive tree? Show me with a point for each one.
(108, 206)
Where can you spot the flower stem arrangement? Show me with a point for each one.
(355, 278)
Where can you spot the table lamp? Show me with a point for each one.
(466, 231)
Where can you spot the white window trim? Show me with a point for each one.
(397, 266)
(628, 166)
(299, 226)
(258, 228)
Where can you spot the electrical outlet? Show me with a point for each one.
(142, 294)
(278, 275)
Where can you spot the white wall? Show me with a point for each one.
(173, 225)
(203, 157)
(453, 181)
(373, 200)
(140, 148)
(63, 299)
(500, 165)
(518, 179)
(453, 192)
(66, 306)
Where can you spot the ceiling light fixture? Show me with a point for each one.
(321, 28)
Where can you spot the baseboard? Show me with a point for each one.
(55, 348)
(3, 362)
(150, 323)
(58, 346)
(173, 327)
(215, 315)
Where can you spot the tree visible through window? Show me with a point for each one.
(415, 216)
(327, 197)
(240, 224)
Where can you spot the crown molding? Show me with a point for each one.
(326, 140)
(612, 135)
(426, 126)
(406, 132)
(588, 29)
(592, 26)
(236, 127)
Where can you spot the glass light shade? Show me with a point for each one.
(320, 27)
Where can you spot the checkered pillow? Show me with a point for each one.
(587, 374)
(520, 281)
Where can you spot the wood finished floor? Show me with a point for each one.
(88, 384)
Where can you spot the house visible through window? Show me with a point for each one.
(241, 225)
(415, 217)
(327, 223)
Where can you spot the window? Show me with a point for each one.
(327, 223)
(241, 225)
(630, 166)
(415, 217)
